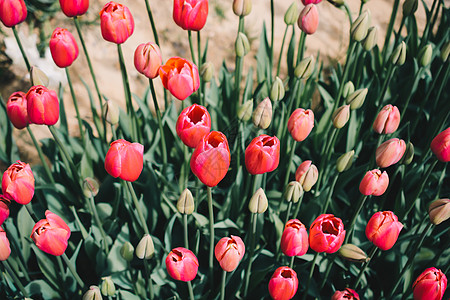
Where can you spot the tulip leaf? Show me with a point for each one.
(115, 261)
(41, 288)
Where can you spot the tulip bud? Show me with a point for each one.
(440, 145)
(245, 110)
(347, 294)
(410, 7)
(360, 26)
(353, 253)
(116, 22)
(111, 112)
(383, 229)
(229, 252)
(398, 57)
(182, 264)
(90, 187)
(92, 294)
(38, 77)
(242, 8)
(258, 203)
(145, 249)
(190, 14)
(283, 284)
(294, 241)
(207, 71)
(409, 154)
(262, 116)
(371, 39)
(357, 98)
(126, 251)
(277, 90)
(291, 15)
(341, 116)
(308, 21)
(125, 160)
(147, 59)
(42, 105)
(16, 109)
(63, 47)
(431, 284)
(424, 56)
(307, 174)
(300, 124)
(185, 204)
(345, 161)
(390, 152)
(5, 249)
(387, 120)
(439, 211)
(348, 89)
(4, 208)
(374, 183)
(305, 67)
(18, 183)
(108, 288)
(445, 50)
(293, 192)
(242, 45)
(12, 12)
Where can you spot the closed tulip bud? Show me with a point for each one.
(305, 67)
(262, 154)
(92, 294)
(353, 253)
(207, 71)
(294, 241)
(147, 59)
(398, 57)
(229, 252)
(277, 90)
(293, 192)
(283, 284)
(410, 7)
(108, 288)
(347, 294)
(90, 187)
(300, 124)
(182, 264)
(111, 112)
(245, 110)
(425, 55)
(357, 98)
(185, 204)
(116, 22)
(74, 8)
(5, 249)
(16, 109)
(337, 3)
(190, 14)
(211, 158)
(445, 50)
(307, 175)
(18, 183)
(440, 145)
(51, 234)
(387, 120)
(345, 161)
(242, 8)
(409, 154)
(242, 45)
(42, 105)
(390, 152)
(308, 20)
(262, 115)
(180, 77)
(348, 89)
(360, 26)
(374, 183)
(430, 285)
(125, 160)
(126, 251)
(439, 211)
(12, 12)
(193, 123)
(371, 39)
(292, 13)
(63, 47)
(38, 77)
(258, 203)
(341, 116)
(145, 249)
(383, 229)
(326, 234)
(4, 208)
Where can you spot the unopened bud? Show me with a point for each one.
(410, 7)
(258, 203)
(357, 98)
(424, 56)
(108, 288)
(340, 116)
(277, 90)
(207, 71)
(348, 89)
(242, 45)
(245, 110)
(38, 77)
(305, 67)
(345, 161)
(262, 116)
(445, 51)
(293, 192)
(371, 39)
(292, 13)
(353, 253)
(145, 249)
(439, 211)
(337, 3)
(111, 112)
(126, 251)
(360, 27)
(398, 57)
(409, 154)
(93, 293)
(90, 187)
(242, 8)
(185, 204)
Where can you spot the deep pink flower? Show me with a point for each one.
(294, 241)
(182, 264)
(180, 77)
(262, 154)
(16, 108)
(42, 105)
(190, 14)
(73, 8)
(18, 183)
(283, 284)
(193, 123)
(63, 47)
(125, 160)
(430, 285)
(326, 234)
(383, 229)
(116, 22)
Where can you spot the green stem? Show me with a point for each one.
(272, 32)
(288, 167)
(364, 267)
(362, 200)
(252, 251)
(426, 31)
(211, 235)
(410, 93)
(311, 272)
(191, 291)
(301, 47)
(152, 22)
(326, 156)
(345, 74)
(281, 50)
(138, 207)
(191, 47)
(299, 203)
(185, 226)
(224, 281)
(200, 62)
(31, 212)
(75, 104)
(387, 80)
(160, 125)
(24, 55)
(41, 156)
(327, 272)
(291, 264)
(15, 279)
(389, 29)
(62, 272)
(148, 277)
(99, 224)
(288, 212)
(330, 194)
(73, 271)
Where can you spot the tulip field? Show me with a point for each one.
(278, 174)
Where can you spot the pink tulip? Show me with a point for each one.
(262, 155)
(383, 229)
(73, 8)
(308, 21)
(116, 22)
(16, 108)
(63, 47)
(125, 160)
(430, 285)
(147, 59)
(374, 183)
(294, 241)
(229, 252)
(190, 14)
(390, 152)
(12, 12)
(283, 284)
(326, 234)
(387, 120)
(307, 174)
(42, 105)
(18, 183)
(182, 264)
(5, 249)
(440, 145)
(180, 77)
(300, 123)
(193, 124)
(4, 208)
(347, 294)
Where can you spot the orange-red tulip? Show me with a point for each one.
(180, 77)
(12, 12)
(383, 229)
(440, 145)
(262, 154)
(387, 120)
(390, 152)
(63, 47)
(374, 183)
(116, 22)
(229, 252)
(5, 249)
(16, 108)
(73, 8)
(347, 294)
(182, 264)
(294, 241)
(300, 123)
(193, 124)
(326, 234)
(18, 183)
(125, 160)
(42, 105)
(430, 285)
(190, 14)
(147, 59)
(283, 284)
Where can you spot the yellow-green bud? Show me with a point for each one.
(360, 27)
(356, 99)
(90, 187)
(291, 15)
(126, 251)
(410, 7)
(185, 204)
(258, 203)
(425, 55)
(293, 192)
(92, 294)
(337, 3)
(371, 39)
(409, 154)
(38, 77)
(305, 67)
(277, 90)
(340, 116)
(242, 8)
(207, 71)
(445, 51)
(398, 57)
(348, 89)
(242, 45)
(439, 211)
(108, 288)
(345, 161)
(111, 112)
(145, 249)
(262, 115)
(353, 253)
(245, 110)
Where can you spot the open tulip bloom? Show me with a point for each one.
(326, 234)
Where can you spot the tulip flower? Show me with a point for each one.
(242, 8)
(300, 123)
(262, 154)
(440, 145)
(229, 252)
(12, 12)
(326, 234)
(5, 249)
(147, 59)
(347, 294)
(430, 285)
(307, 175)
(51, 234)
(294, 241)
(42, 105)
(387, 120)
(383, 229)
(193, 124)
(63, 47)
(190, 14)
(390, 152)
(306, 2)
(439, 211)
(283, 284)
(308, 21)
(116, 22)
(182, 264)
(180, 77)
(18, 183)
(16, 108)
(211, 158)
(4, 208)
(262, 115)
(125, 160)
(374, 183)
(73, 8)
(341, 116)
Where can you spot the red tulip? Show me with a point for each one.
(125, 160)
(306, 2)
(73, 8)
(18, 183)
(440, 145)
(42, 105)
(294, 241)
(387, 120)
(430, 285)
(5, 250)
(390, 152)
(283, 284)
(63, 47)
(116, 22)
(181, 264)
(147, 59)
(374, 183)
(383, 229)
(326, 234)
(211, 158)
(262, 154)
(300, 123)
(12, 12)
(190, 14)
(308, 21)
(307, 174)
(16, 108)
(180, 77)
(4, 208)
(347, 294)
(229, 252)
(193, 124)
(51, 234)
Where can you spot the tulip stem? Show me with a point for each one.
(160, 124)
(186, 237)
(387, 80)
(327, 271)
(191, 47)
(200, 62)
(330, 193)
(362, 200)
(389, 29)
(291, 264)
(222, 289)
(41, 156)
(272, 35)
(410, 93)
(298, 206)
(138, 208)
(73, 270)
(152, 22)
(301, 47)
(326, 157)
(16, 280)
(190, 290)
(75, 104)
(99, 224)
(281, 50)
(311, 272)
(211, 235)
(148, 279)
(364, 267)
(252, 251)
(31, 212)
(288, 211)
(24, 55)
